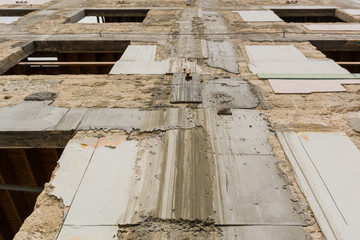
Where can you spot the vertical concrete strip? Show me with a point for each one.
(252, 192)
(72, 166)
(320, 157)
(188, 46)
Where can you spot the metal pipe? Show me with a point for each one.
(19, 188)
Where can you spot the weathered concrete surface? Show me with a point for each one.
(355, 123)
(185, 90)
(228, 93)
(223, 55)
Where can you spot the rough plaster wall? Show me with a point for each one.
(46, 219)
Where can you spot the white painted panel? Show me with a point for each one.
(282, 53)
(333, 27)
(90, 19)
(8, 20)
(337, 161)
(139, 53)
(288, 60)
(104, 192)
(88, 233)
(73, 163)
(328, 166)
(352, 11)
(305, 86)
(259, 16)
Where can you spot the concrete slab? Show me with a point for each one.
(73, 163)
(88, 232)
(103, 194)
(259, 16)
(135, 119)
(31, 116)
(228, 93)
(71, 120)
(252, 192)
(222, 54)
(320, 157)
(333, 27)
(186, 91)
(243, 132)
(263, 232)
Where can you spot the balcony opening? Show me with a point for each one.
(308, 15)
(70, 57)
(23, 173)
(345, 53)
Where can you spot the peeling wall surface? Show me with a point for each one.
(216, 119)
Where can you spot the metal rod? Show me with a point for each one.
(19, 188)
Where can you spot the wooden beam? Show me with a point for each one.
(6, 231)
(348, 63)
(67, 63)
(7, 176)
(38, 173)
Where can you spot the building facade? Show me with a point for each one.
(175, 119)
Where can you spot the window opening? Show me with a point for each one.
(23, 173)
(113, 16)
(81, 58)
(345, 53)
(308, 15)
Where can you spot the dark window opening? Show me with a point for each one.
(111, 16)
(345, 53)
(23, 173)
(71, 58)
(308, 15)
(8, 16)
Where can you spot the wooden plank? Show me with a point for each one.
(348, 63)
(305, 76)
(67, 63)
